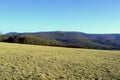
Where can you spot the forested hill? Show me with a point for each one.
(66, 39)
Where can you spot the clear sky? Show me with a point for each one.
(90, 16)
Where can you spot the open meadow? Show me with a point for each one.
(31, 62)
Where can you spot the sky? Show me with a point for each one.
(89, 16)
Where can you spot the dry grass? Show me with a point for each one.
(30, 62)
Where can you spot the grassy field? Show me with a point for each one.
(30, 62)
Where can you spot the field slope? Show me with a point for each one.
(30, 62)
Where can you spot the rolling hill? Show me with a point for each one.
(67, 39)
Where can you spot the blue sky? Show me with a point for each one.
(90, 16)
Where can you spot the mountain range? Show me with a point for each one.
(66, 39)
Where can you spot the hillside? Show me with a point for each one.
(23, 62)
(66, 39)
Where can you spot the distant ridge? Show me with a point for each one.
(66, 39)
(12, 33)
